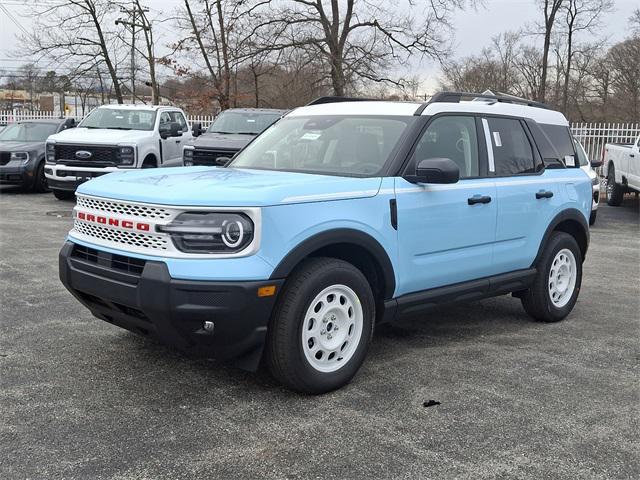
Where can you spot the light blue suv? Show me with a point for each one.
(342, 215)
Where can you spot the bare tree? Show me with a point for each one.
(624, 60)
(359, 41)
(550, 9)
(73, 34)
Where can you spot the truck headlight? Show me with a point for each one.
(51, 152)
(20, 156)
(187, 156)
(210, 232)
(126, 155)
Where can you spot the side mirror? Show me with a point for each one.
(222, 161)
(196, 129)
(596, 163)
(171, 129)
(437, 170)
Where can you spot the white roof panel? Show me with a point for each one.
(357, 108)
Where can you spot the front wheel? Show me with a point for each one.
(321, 327)
(63, 194)
(592, 217)
(557, 284)
(40, 180)
(615, 194)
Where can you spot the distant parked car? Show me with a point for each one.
(588, 166)
(22, 148)
(622, 168)
(231, 131)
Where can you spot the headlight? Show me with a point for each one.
(187, 156)
(126, 155)
(51, 153)
(20, 156)
(210, 232)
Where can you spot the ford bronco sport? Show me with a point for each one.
(341, 215)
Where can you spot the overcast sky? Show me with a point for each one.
(473, 28)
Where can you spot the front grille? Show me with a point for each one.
(123, 263)
(209, 157)
(104, 155)
(145, 211)
(5, 157)
(122, 237)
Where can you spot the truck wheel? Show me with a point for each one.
(592, 217)
(321, 327)
(556, 287)
(615, 193)
(40, 181)
(63, 194)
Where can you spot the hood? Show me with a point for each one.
(222, 140)
(99, 136)
(21, 146)
(226, 187)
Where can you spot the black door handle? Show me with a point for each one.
(632, 155)
(544, 194)
(478, 199)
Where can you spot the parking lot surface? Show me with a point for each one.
(80, 398)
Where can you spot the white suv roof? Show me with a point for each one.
(489, 107)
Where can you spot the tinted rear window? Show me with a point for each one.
(561, 139)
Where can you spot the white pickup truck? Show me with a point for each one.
(114, 137)
(622, 169)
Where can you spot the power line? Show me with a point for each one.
(13, 19)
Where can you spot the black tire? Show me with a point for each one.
(284, 353)
(537, 300)
(592, 217)
(40, 181)
(615, 193)
(64, 194)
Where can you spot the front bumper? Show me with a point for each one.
(142, 297)
(16, 174)
(64, 177)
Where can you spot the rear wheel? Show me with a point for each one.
(615, 194)
(63, 194)
(322, 326)
(557, 284)
(40, 181)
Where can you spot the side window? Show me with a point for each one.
(582, 156)
(561, 138)
(179, 118)
(165, 118)
(512, 151)
(451, 137)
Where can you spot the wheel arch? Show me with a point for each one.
(570, 221)
(150, 157)
(353, 246)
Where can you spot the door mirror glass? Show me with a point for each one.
(437, 170)
(170, 129)
(596, 163)
(197, 129)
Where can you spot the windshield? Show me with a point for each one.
(120, 119)
(249, 123)
(28, 132)
(333, 145)
(582, 156)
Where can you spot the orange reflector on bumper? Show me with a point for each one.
(267, 291)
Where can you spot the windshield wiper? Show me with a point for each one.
(218, 131)
(247, 133)
(117, 128)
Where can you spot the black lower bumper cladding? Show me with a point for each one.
(142, 297)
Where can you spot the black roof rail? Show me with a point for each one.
(321, 100)
(456, 97)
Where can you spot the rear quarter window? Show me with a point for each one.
(561, 139)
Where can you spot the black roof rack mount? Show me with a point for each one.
(321, 100)
(457, 97)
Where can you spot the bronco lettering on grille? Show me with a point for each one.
(114, 222)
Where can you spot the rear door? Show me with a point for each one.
(446, 232)
(527, 194)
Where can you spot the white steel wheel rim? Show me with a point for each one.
(562, 277)
(332, 328)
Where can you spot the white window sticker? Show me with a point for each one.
(569, 161)
(496, 139)
(310, 136)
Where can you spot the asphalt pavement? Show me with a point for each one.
(80, 398)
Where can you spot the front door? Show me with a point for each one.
(446, 232)
(172, 146)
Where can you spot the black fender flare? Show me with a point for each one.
(337, 236)
(564, 215)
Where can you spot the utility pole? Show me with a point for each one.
(132, 14)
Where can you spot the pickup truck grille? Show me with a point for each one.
(5, 157)
(203, 156)
(99, 154)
